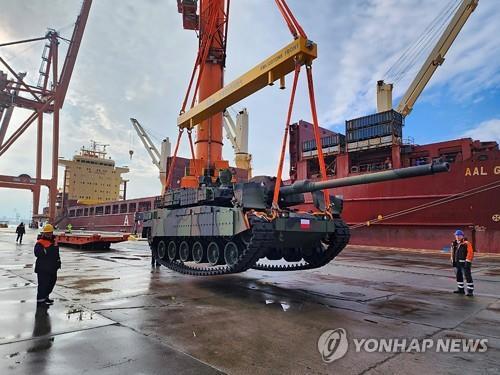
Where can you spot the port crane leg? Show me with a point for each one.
(38, 172)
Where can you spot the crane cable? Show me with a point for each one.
(277, 184)
(451, 198)
(426, 44)
(414, 51)
(407, 56)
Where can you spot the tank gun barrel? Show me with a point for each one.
(306, 186)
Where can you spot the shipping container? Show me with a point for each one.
(390, 116)
(375, 131)
(374, 126)
(328, 141)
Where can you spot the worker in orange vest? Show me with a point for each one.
(462, 254)
(48, 262)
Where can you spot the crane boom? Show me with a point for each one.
(153, 152)
(159, 158)
(74, 47)
(436, 57)
(301, 50)
(237, 133)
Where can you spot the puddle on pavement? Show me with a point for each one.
(493, 272)
(352, 294)
(96, 291)
(126, 258)
(41, 345)
(77, 314)
(17, 285)
(85, 283)
(15, 266)
(285, 306)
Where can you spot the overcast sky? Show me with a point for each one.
(135, 61)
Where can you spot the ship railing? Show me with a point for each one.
(408, 141)
(368, 168)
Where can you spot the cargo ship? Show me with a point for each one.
(422, 212)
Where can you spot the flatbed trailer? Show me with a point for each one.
(91, 239)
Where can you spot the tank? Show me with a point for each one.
(223, 227)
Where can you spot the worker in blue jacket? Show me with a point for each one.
(48, 262)
(462, 254)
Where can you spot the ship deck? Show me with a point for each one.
(113, 314)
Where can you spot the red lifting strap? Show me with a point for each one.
(285, 138)
(317, 137)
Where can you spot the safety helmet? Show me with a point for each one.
(458, 232)
(47, 228)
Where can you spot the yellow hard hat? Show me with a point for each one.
(47, 228)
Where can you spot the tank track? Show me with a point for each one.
(320, 257)
(261, 239)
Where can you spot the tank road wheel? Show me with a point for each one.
(197, 252)
(161, 249)
(184, 251)
(214, 254)
(172, 251)
(231, 253)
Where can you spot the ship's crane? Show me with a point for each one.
(435, 59)
(237, 133)
(159, 158)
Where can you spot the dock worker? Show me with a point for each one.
(462, 254)
(388, 163)
(48, 262)
(154, 262)
(20, 230)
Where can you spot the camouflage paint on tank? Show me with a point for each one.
(197, 221)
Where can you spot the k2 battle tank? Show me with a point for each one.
(221, 228)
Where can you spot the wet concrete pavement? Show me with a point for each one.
(113, 314)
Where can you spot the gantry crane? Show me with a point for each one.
(435, 59)
(47, 97)
(159, 158)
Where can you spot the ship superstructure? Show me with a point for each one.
(91, 177)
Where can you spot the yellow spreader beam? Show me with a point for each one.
(266, 73)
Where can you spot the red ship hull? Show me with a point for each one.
(423, 212)
(120, 216)
(420, 212)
